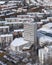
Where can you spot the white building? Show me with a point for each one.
(4, 29)
(6, 39)
(14, 25)
(44, 20)
(2, 23)
(18, 44)
(18, 33)
(19, 19)
(27, 1)
(23, 16)
(39, 24)
(2, 2)
(26, 16)
(48, 25)
(44, 35)
(45, 55)
(49, 18)
(45, 40)
(30, 30)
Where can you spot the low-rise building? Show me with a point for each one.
(5, 40)
(44, 36)
(18, 44)
(14, 25)
(4, 29)
(18, 33)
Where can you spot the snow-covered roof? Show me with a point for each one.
(23, 16)
(46, 30)
(13, 22)
(2, 2)
(14, 1)
(46, 38)
(30, 23)
(44, 20)
(48, 4)
(3, 21)
(43, 31)
(49, 17)
(19, 30)
(33, 1)
(48, 25)
(4, 26)
(18, 42)
(6, 35)
(39, 22)
(22, 19)
(33, 13)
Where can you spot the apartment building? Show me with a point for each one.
(4, 29)
(18, 44)
(30, 30)
(45, 55)
(5, 40)
(19, 19)
(14, 25)
(18, 33)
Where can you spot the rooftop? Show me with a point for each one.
(18, 42)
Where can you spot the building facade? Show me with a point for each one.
(30, 30)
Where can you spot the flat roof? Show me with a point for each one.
(14, 23)
(46, 38)
(18, 42)
(19, 30)
(45, 29)
(2, 2)
(4, 26)
(48, 25)
(6, 35)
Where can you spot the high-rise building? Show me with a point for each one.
(30, 30)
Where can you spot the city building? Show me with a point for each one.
(19, 19)
(44, 36)
(48, 26)
(18, 44)
(5, 40)
(4, 29)
(30, 32)
(45, 55)
(14, 25)
(18, 33)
